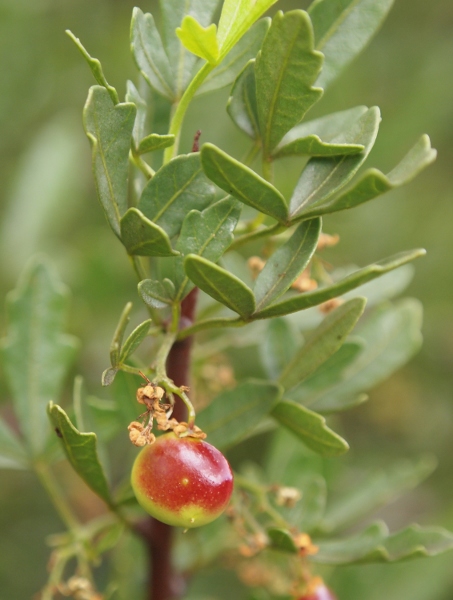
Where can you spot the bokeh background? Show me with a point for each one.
(48, 205)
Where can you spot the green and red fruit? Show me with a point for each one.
(318, 591)
(184, 482)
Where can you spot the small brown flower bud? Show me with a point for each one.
(287, 496)
(305, 545)
(256, 265)
(330, 305)
(326, 241)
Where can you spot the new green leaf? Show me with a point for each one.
(176, 186)
(309, 427)
(36, 352)
(227, 71)
(373, 183)
(323, 342)
(309, 299)
(154, 141)
(342, 29)
(285, 70)
(142, 237)
(286, 264)
(242, 183)
(201, 41)
(149, 53)
(80, 449)
(220, 285)
(109, 129)
(234, 414)
(323, 177)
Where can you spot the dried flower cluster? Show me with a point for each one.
(151, 396)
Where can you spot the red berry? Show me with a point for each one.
(318, 591)
(182, 481)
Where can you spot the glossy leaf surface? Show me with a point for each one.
(310, 428)
(142, 237)
(149, 53)
(109, 129)
(80, 449)
(36, 352)
(285, 70)
(220, 285)
(323, 342)
(339, 288)
(234, 414)
(323, 177)
(286, 263)
(208, 234)
(242, 183)
(230, 67)
(342, 29)
(178, 185)
(241, 104)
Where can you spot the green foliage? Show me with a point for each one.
(176, 224)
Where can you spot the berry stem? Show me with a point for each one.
(164, 582)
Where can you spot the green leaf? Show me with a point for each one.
(309, 427)
(323, 342)
(315, 137)
(374, 544)
(392, 336)
(132, 95)
(330, 373)
(285, 70)
(117, 341)
(80, 449)
(149, 53)
(286, 264)
(234, 414)
(278, 346)
(281, 539)
(352, 281)
(142, 237)
(134, 340)
(241, 182)
(377, 490)
(201, 41)
(176, 187)
(153, 142)
(183, 63)
(241, 104)
(13, 455)
(373, 183)
(220, 285)
(342, 29)
(236, 18)
(109, 129)
(323, 177)
(36, 352)
(155, 294)
(96, 68)
(227, 71)
(208, 234)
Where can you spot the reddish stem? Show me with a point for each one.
(165, 583)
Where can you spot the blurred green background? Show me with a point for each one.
(48, 205)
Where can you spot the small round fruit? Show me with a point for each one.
(319, 591)
(184, 482)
